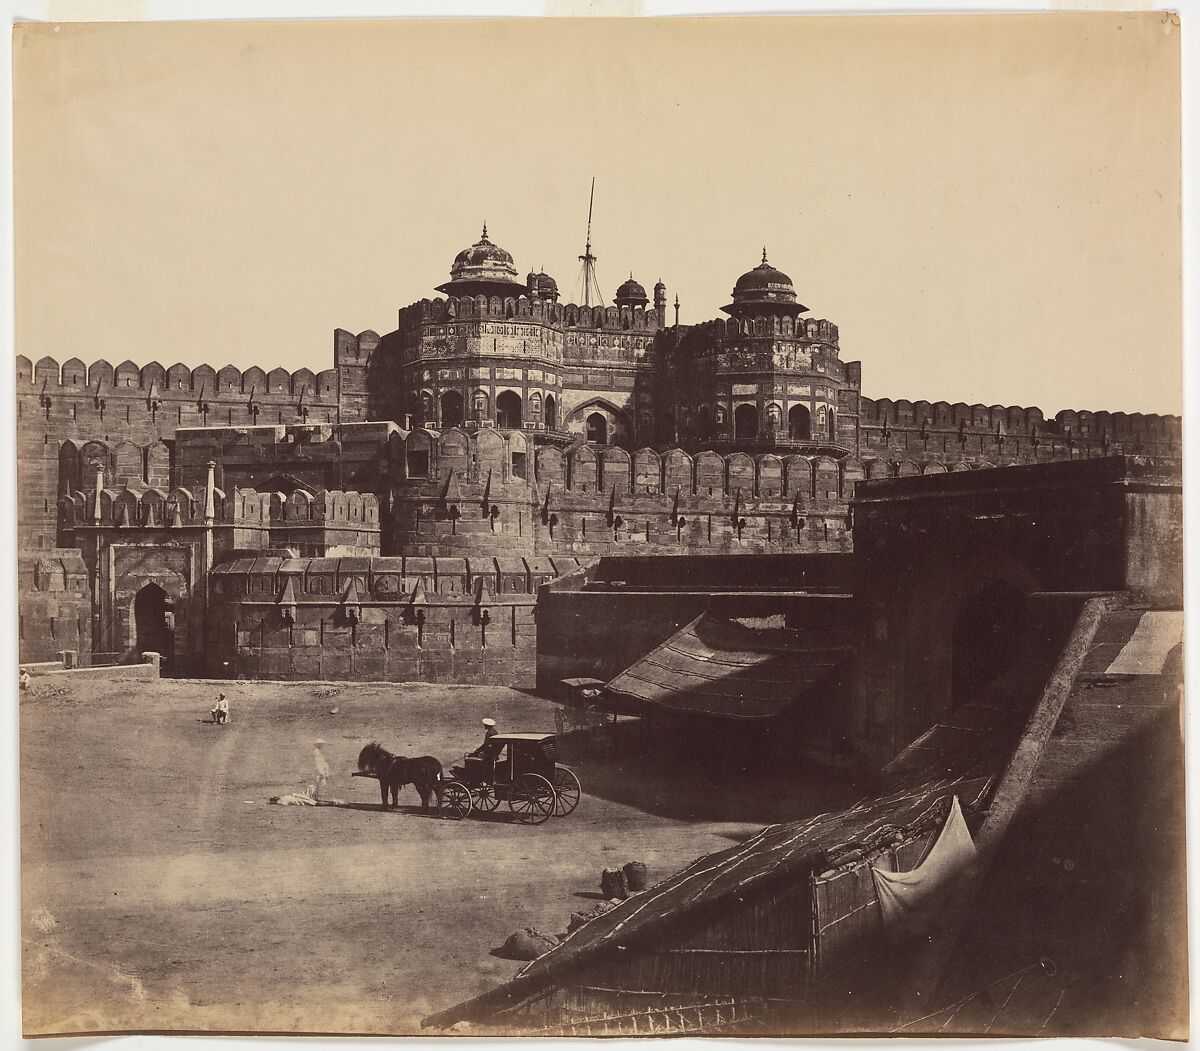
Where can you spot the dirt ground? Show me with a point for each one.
(161, 890)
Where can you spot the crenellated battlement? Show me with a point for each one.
(458, 466)
(136, 506)
(141, 506)
(1017, 420)
(154, 382)
(326, 507)
(815, 329)
(543, 311)
(410, 580)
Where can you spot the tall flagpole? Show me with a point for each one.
(588, 260)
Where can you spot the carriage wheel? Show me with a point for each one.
(531, 799)
(566, 791)
(456, 800)
(485, 797)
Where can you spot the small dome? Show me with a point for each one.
(483, 261)
(542, 285)
(631, 294)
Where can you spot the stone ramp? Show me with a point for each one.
(1090, 876)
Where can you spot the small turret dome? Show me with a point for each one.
(631, 294)
(542, 285)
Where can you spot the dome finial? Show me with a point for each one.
(485, 236)
(764, 248)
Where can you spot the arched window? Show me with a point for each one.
(745, 422)
(799, 423)
(479, 403)
(535, 405)
(551, 413)
(508, 409)
(452, 409)
(597, 429)
(426, 407)
(774, 416)
(821, 419)
(720, 415)
(832, 425)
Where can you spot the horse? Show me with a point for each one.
(395, 771)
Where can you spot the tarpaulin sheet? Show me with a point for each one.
(910, 902)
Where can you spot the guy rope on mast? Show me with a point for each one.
(591, 287)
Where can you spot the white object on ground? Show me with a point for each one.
(1156, 635)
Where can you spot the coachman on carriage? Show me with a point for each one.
(520, 769)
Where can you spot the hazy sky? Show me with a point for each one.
(987, 206)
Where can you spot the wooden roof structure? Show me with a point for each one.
(963, 757)
(716, 666)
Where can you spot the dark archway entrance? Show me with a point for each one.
(551, 415)
(799, 423)
(154, 624)
(508, 409)
(745, 423)
(597, 429)
(987, 639)
(452, 409)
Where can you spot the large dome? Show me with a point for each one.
(484, 268)
(483, 261)
(765, 286)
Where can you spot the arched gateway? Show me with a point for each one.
(154, 623)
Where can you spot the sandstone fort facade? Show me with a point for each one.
(393, 517)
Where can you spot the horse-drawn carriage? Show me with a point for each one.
(520, 769)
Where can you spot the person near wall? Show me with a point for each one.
(220, 710)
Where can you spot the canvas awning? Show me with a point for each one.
(720, 667)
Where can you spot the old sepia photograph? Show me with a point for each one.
(600, 527)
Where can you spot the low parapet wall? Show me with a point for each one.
(47, 669)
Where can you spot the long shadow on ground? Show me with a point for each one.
(686, 785)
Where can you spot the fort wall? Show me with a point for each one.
(56, 605)
(923, 431)
(138, 408)
(308, 473)
(393, 619)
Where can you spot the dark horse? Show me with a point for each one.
(395, 771)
